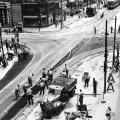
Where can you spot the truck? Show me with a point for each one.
(60, 90)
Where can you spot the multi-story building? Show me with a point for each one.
(32, 12)
(41, 13)
(5, 14)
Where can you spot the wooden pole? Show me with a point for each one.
(114, 42)
(105, 62)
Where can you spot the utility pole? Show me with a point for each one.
(1, 42)
(114, 42)
(61, 16)
(105, 62)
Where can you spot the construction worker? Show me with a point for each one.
(66, 70)
(30, 80)
(42, 87)
(86, 79)
(17, 92)
(94, 87)
(43, 73)
(81, 97)
(24, 89)
(30, 96)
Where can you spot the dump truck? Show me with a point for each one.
(60, 91)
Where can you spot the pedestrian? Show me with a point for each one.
(10, 46)
(25, 89)
(47, 74)
(95, 30)
(116, 64)
(7, 44)
(119, 29)
(17, 92)
(63, 73)
(110, 82)
(30, 80)
(42, 87)
(108, 113)
(45, 80)
(43, 73)
(94, 87)
(13, 40)
(86, 78)
(66, 70)
(111, 29)
(56, 24)
(50, 77)
(81, 98)
(30, 96)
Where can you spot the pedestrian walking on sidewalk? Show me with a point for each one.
(108, 113)
(81, 97)
(110, 82)
(17, 92)
(30, 96)
(95, 83)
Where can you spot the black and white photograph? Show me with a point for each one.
(59, 59)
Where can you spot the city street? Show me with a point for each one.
(50, 47)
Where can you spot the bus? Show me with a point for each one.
(111, 4)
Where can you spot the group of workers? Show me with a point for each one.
(44, 81)
(47, 77)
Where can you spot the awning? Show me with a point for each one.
(30, 16)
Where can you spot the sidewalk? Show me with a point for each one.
(93, 65)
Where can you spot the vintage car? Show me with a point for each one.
(59, 92)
